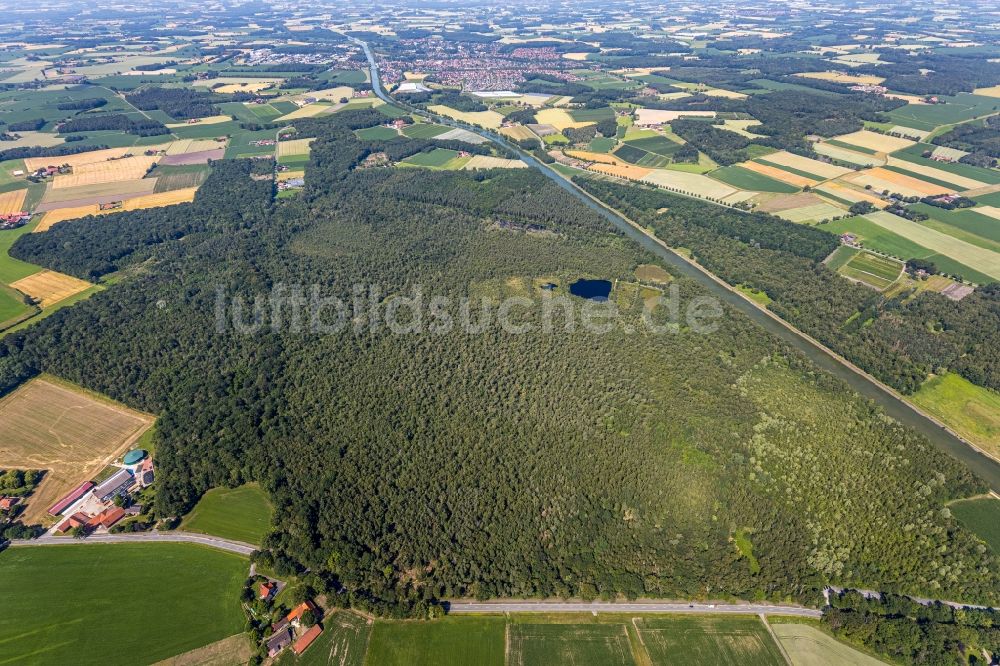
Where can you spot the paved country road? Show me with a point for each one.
(458, 607)
(142, 537)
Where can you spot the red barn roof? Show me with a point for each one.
(297, 612)
(69, 498)
(306, 639)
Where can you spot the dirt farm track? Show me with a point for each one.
(51, 425)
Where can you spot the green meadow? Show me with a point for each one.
(242, 514)
(116, 603)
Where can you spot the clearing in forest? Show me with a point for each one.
(52, 425)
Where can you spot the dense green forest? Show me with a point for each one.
(407, 468)
(900, 341)
(913, 633)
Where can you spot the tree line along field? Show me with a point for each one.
(115, 603)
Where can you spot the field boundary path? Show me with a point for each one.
(464, 607)
(142, 537)
(893, 403)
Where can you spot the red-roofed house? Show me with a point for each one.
(267, 589)
(8, 503)
(306, 639)
(297, 612)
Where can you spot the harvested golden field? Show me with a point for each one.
(488, 162)
(58, 215)
(152, 200)
(184, 146)
(207, 120)
(33, 163)
(991, 211)
(308, 111)
(882, 179)
(881, 143)
(12, 202)
(111, 171)
(294, 147)
(840, 77)
(51, 425)
(779, 202)
(854, 195)
(330, 94)
(779, 174)
(228, 85)
(815, 167)
(849, 156)
(49, 287)
(489, 119)
(960, 182)
(622, 170)
(558, 118)
(79, 196)
(288, 175)
(992, 91)
(588, 156)
(517, 132)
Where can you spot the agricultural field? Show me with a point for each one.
(155, 200)
(780, 174)
(978, 225)
(379, 133)
(47, 287)
(975, 257)
(241, 514)
(846, 155)
(812, 167)
(873, 141)
(745, 179)
(871, 269)
(110, 171)
(959, 108)
(541, 644)
(520, 133)
(424, 130)
(13, 201)
(344, 642)
(52, 425)
(489, 162)
(488, 119)
(982, 516)
(812, 213)
(690, 183)
(452, 640)
(69, 603)
(559, 118)
(808, 645)
(971, 410)
(438, 158)
(708, 641)
(293, 148)
(841, 77)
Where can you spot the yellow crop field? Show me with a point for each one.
(882, 179)
(154, 200)
(229, 85)
(840, 77)
(882, 143)
(843, 191)
(62, 214)
(48, 287)
(622, 170)
(330, 94)
(849, 156)
(126, 168)
(575, 56)
(288, 175)
(12, 202)
(991, 211)
(294, 147)
(33, 163)
(603, 158)
(488, 162)
(47, 424)
(960, 182)
(207, 120)
(779, 174)
(517, 132)
(660, 116)
(992, 91)
(489, 119)
(307, 111)
(822, 169)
